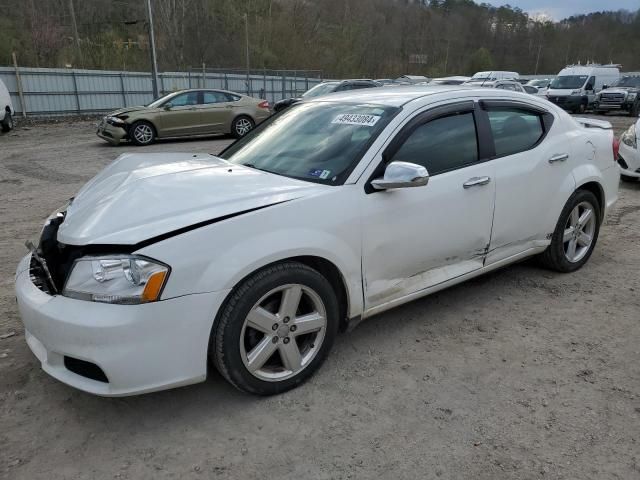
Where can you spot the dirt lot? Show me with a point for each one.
(520, 374)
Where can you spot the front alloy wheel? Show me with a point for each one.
(142, 133)
(283, 332)
(275, 329)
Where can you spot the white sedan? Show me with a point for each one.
(629, 156)
(335, 210)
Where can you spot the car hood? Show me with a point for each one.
(561, 92)
(142, 196)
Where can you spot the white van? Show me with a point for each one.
(6, 108)
(576, 86)
(493, 76)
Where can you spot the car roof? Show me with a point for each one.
(399, 96)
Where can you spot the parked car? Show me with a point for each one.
(185, 113)
(389, 82)
(623, 95)
(454, 80)
(6, 107)
(576, 86)
(326, 88)
(493, 76)
(542, 84)
(412, 79)
(336, 209)
(629, 154)
(512, 85)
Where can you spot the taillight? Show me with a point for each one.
(616, 148)
(264, 105)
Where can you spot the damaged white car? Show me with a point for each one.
(337, 209)
(629, 155)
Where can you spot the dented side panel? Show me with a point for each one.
(414, 238)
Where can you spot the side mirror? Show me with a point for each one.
(167, 106)
(605, 86)
(402, 175)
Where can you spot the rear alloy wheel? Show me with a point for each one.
(7, 123)
(276, 329)
(575, 235)
(241, 126)
(142, 133)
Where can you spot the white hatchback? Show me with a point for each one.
(330, 212)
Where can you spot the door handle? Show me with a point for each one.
(476, 181)
(559, 157)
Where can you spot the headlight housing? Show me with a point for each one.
(118, 122)
(629, 137)
(576, 92)
(119, 279)
(632, 96)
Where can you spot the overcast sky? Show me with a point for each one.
(559, 9)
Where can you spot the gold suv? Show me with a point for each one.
(185, 113)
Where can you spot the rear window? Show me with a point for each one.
(515, 130)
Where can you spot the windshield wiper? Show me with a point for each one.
(251, 165)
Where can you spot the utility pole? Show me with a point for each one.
(246, 33)
(538, 58)
(152, 48)
(76, 37)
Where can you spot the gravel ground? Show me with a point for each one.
(520, 374)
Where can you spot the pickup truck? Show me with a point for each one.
(623, 95)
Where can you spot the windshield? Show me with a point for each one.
(320, 89)
(628, 82)
(569, 81)
(158, 103)
(318, 142)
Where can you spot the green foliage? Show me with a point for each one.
(364, 38)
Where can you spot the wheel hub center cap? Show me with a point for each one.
(283, 331)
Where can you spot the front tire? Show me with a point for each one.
(142, 133)
(575, 235)
(7, 123)
(241, 126)
(275, 329)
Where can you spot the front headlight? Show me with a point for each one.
(629, 137)
(576, 92)
(632, 96)
(118, 122)
(121, 279)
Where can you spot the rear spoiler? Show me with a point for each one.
(593, 123)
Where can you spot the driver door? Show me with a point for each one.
(183, 117)
(417, 238)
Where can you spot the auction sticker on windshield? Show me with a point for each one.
(356, 119)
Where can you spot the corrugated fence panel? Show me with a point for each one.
(56, 91)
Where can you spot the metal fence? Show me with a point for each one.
(52, 91)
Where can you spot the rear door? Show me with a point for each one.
(216, 111)
(183, 118)
(533, 176)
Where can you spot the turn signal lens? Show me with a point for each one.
(154, 285)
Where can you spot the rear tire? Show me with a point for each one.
(142, 133)
(275, 329)
(7, 123)
(574, 239)
(241, 126)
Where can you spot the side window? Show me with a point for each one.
(442, 144)
(231, 97)
(591, 83)
(189, 98)
(515, 130)
(214, 97)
